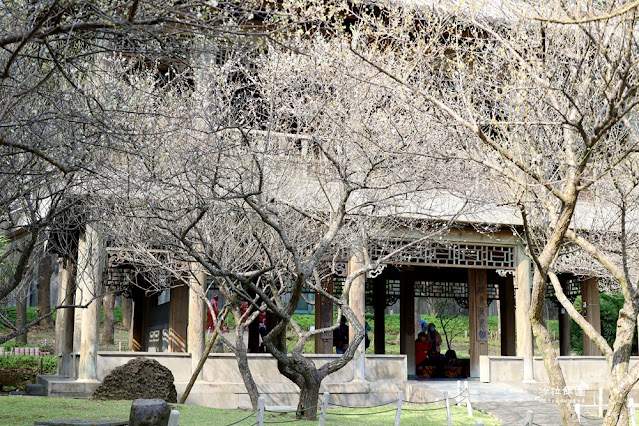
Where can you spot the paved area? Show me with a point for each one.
(508, 403)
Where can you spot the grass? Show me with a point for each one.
(15, 410)
(460, 341)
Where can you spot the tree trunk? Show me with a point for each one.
(126, 312)
(617, 412)
(544, 343)
(305, 375)
(619, 385)
(108, 303)
(309, 393)
(44, 291)
(242, 364)
(21, 316)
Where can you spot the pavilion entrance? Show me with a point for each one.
(473, 289)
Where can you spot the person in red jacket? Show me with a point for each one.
(422, 348)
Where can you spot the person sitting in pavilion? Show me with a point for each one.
(422, 348)
(435, 339)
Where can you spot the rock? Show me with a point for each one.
(139, 378)
(149, 412)
(35, 390)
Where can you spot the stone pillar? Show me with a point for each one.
(91, 257)
(477, 317)
(523, 278)
(64, 318)
(407, 318)
(590, 311)
(197, 318)
(357, 302)
(507, 313)
(324, 318)
(379, 300)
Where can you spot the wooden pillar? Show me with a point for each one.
(407, 318)
(564, 325)
(197, 317)
(507, 313)
(379, 300)
(323, 319)
(357, 302)
(136, 337)
(591, 312)
(91, 257)
(45, 269)
(64, 318)
(178, 317)
(477, 317)
(523, 278)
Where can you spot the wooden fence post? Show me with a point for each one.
(469, 406)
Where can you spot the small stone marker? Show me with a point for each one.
(35, 389)
(149, 412)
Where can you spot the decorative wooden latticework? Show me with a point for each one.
(572, 289)
(438, 290)
(447, 254)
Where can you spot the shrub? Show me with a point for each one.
(29, 364)
(609, 305)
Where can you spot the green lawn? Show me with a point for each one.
(16, 410)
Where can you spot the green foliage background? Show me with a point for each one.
(610, 304)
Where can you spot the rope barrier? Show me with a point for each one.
(288, 412)
(441, 407)
(365, 406)
(361, 414)
(396, 401)
(590, 418)
(241, 420)
(438, 400)
(287, 421)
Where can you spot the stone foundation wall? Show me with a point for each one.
(222, 385)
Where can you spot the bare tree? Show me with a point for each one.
(268, 171)
(546, 108)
